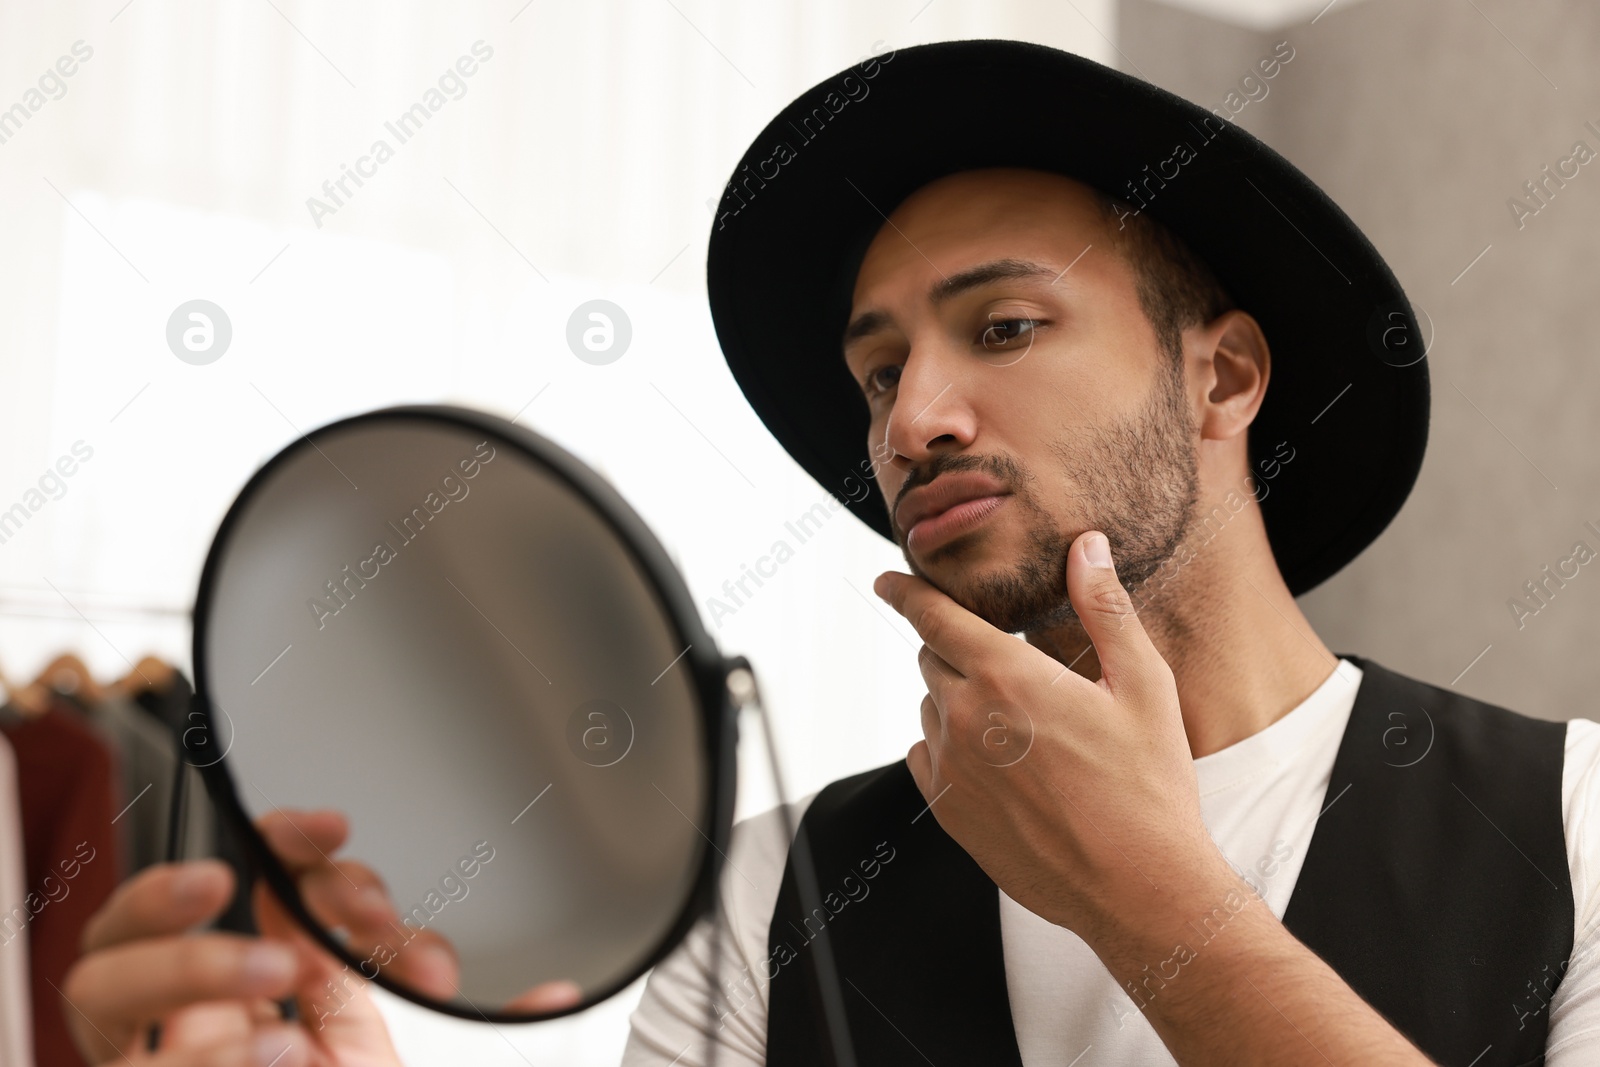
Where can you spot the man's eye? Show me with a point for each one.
(876, 385)
(1008, 333)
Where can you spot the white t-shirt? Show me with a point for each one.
(1260, 799)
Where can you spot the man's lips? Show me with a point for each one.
(947, 505)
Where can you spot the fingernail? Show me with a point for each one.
(437, 959)
(269, 966)
(562, 994)
(272, 1049)
(878, 585)
(1096, 550)
(376, 901)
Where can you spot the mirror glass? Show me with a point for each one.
(417, 624)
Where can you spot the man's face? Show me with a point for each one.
(1019, 394)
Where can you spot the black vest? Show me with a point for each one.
(1435, 884)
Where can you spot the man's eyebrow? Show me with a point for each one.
(953, 285)
(983, 274)
(863, 324)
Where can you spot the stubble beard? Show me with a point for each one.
(1141, 478)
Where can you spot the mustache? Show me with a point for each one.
(1007, 471)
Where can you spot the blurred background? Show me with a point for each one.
(194, 153)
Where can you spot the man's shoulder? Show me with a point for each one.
(850, 808)
(884, 790)
(1393, 694)
(868, 781)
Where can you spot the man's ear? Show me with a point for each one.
(1234, 363)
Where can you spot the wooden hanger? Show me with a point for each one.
(30, 700)
(67, 675)
(150, 673)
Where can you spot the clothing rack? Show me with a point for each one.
(94, 787)
(77, 605)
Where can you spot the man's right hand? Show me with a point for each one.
(215, 994)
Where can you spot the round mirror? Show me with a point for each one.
(452, 634)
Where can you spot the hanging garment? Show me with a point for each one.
(170, 706)
(148, 754)
(16, 1026)
(68, 783)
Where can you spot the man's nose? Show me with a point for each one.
(932, 407)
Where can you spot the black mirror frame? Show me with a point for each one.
(709, 671)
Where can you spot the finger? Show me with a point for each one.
(932, 721)
(212, 1022)
(348, 894)
(278, 1045)
(303, 839)
(920, 762)
(1130, 666)
(164, 899)
(331, 990)
(549, 996)
(422, 960)
(933, 735)
(141, 981)
(340, 894)
(960, 638)
(938, 675)
(335, 1007)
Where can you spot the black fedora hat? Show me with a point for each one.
(1348, 397)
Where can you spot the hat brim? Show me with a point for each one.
(1348, 398)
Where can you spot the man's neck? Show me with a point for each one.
(1242, 653)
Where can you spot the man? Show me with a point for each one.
(1126, 383)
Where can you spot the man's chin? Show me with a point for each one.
(1014, 618)
(1001, 598)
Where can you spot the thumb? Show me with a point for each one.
(1128, 660)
